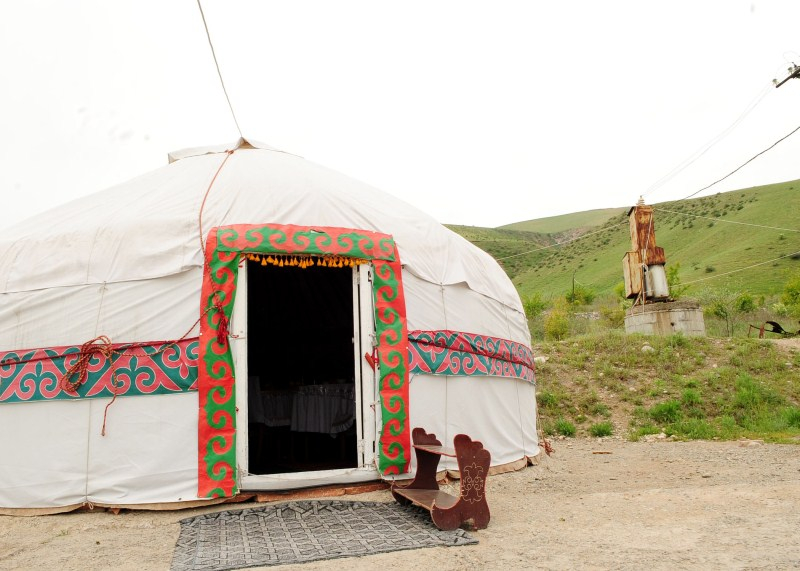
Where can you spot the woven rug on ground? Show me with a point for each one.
(298, 532)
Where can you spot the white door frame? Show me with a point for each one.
(367, 415)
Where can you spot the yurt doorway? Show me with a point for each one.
(307, 329)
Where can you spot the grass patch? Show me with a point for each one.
(666, 412)
(565, 428)
(601, 429)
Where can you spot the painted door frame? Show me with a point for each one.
(225, 247)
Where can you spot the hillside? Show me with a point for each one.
(694, 233)
(692, 387)
(566, 222)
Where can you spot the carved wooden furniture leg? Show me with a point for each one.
(427, 463)
(471, 511)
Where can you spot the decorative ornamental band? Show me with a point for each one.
(468, 354)
(121, 369)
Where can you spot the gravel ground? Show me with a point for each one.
(594, 504)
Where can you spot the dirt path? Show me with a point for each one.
(659, 505)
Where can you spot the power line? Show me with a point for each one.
(581, 237)
(751, 159)
(219, 73)
(699, 153)
(741, 269)
(727, 221)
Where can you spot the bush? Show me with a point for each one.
(666, 412)
(533, 305)
(791, 295)
(779, 309)
(556, 323)
(546, 399)
(601, 429)
(565, 427)
(792, 417)
(676, 290)
(580, 295)
(615, 316)
(690, 397)
(745, 303)
(619, 291)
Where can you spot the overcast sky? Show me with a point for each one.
(480, 113)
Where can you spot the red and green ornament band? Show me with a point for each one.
(154, 368)
(467, 354)
(217, 425)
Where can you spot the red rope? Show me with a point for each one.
(80, 367)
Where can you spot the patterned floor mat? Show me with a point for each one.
(298, 532)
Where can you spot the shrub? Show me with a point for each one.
(619, 291)
(676, 290)
(779, 309)
(580, 295)
(565, 427)
(666, 412)
(600, 409)
(695, 428)
(745, 303)
(644, 431)
(791, 294)
(556, 323)
(533, 305)
(710, 269)
(615, 316)
(792, 416)
(546, 399)
(601, 429)
(690, 397)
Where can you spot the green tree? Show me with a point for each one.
(533, 305)
(727, 305)
(556, 322)
(676, 290)
(791, 295)
(580, 295)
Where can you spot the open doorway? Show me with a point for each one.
(301, 369)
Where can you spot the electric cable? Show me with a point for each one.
(741, 269)
(700, 152)
(581, 237)
(727, 221)
(748, 161)
(219, 73)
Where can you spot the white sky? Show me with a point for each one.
(480, 113)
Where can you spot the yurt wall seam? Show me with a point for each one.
(103, 282)
(416, 274)
(519, 404)
(446, 377)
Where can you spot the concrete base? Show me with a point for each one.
(666, 318)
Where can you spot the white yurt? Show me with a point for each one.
(242, 319)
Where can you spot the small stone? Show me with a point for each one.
(751, 443)
(706, 475)
(540, 359)
(647, 349)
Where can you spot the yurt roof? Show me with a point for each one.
(148, 227)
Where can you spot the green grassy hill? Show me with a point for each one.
(566, 222)
(694, 233)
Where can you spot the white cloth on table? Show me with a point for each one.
(328, 409)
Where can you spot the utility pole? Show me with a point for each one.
(794, 73)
